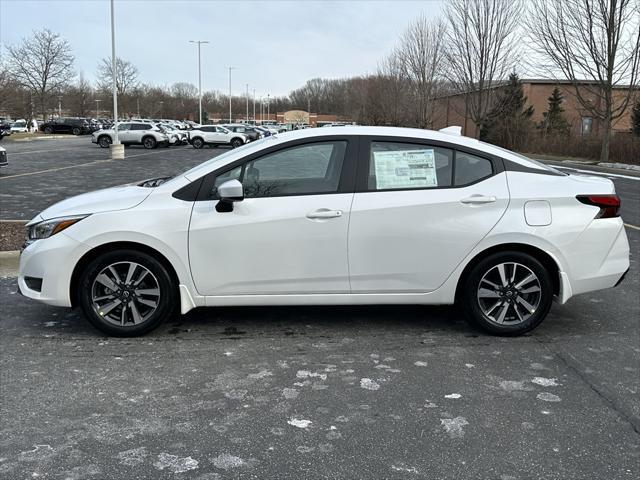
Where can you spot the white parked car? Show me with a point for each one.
(19, 126)
(148, 135)
(216, 135)
(365, 215)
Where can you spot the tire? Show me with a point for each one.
(501, 304)
(104, 141)
(236, 142)
(76, 131)
(197, 142)
(48, 130)
(149, 143)
(148, 306)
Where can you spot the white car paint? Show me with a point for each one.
(383, 247)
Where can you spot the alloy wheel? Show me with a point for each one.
(509, 293)
(125, 294)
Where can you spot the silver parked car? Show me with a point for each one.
(132, 133)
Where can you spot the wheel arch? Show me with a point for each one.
(92, 254)
(543, 257)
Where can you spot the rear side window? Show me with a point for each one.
(396, 166)
(300, 170)
(470, 169)
(140, 126)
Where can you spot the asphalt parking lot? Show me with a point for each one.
(293, 393)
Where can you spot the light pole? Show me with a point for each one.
(268, 106)
(199, 42)
(246, 118)
(97, 107)
(114, 73)
(230, 68)
(254, 106)
(161, 102)
(59, 106)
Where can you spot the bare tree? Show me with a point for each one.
(126, 75)
(481, 50)
(594, 40)
(42, 63)
(420, 54)
(79, 97)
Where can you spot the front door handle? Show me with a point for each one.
(478, 199)
(324, 213)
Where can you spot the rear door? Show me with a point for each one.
(419, 209)
(289, 234)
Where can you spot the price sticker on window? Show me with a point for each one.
(405, 169)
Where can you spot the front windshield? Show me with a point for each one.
(225, 155)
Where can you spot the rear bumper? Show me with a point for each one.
(604, 263)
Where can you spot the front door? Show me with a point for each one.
(288, 235)
(418, 213)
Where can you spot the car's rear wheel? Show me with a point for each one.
(507, 293)
(236, 142)
(104, 141)
(48, 130)
(149, 142)
(197, 142)
(76, 131)
(126, 293)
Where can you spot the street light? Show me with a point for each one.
(97, 100)
(230, 68)
(199, 42)
(161, 104)
(254, 106)
(117, 149)
(268, 105)
(246, 118)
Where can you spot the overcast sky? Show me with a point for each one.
(275, 45)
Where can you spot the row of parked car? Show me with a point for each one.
(151, 134)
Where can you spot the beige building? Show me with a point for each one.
(450, 110)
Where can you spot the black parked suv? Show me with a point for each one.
(76, 126)
(5, 129)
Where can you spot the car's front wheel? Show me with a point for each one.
(126, 293)
(236, 142)
(76, 131)
(507, 293)
(197, 142)
(104, 141)
(48, 130)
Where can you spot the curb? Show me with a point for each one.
(9, 263)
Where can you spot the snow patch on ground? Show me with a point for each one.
(290, 393)
(308, 374)
(299, 423)
(454, 426)
(548, 397)
(175, 463)
(132, 457)
(226, 461)
(453, 395)
(369, 384)
(420, 364)
(545, 382)
(512, 386)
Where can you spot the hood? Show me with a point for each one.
(107, 200)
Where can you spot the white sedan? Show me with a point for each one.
(364, 215)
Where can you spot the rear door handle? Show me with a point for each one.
(324, 213)
(478, 199)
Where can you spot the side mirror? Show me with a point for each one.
(229, 192)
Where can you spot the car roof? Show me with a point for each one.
(417, 133)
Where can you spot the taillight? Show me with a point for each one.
(608, 204)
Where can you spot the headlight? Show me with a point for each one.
(50, 227)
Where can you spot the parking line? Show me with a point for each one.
(635, 227)
(53, 169)
(13, 154)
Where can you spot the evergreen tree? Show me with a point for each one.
(554, 122)
(635, 118)
(509, 121)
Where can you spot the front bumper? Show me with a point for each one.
(52, 260)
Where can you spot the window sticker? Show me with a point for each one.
(405, 169)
